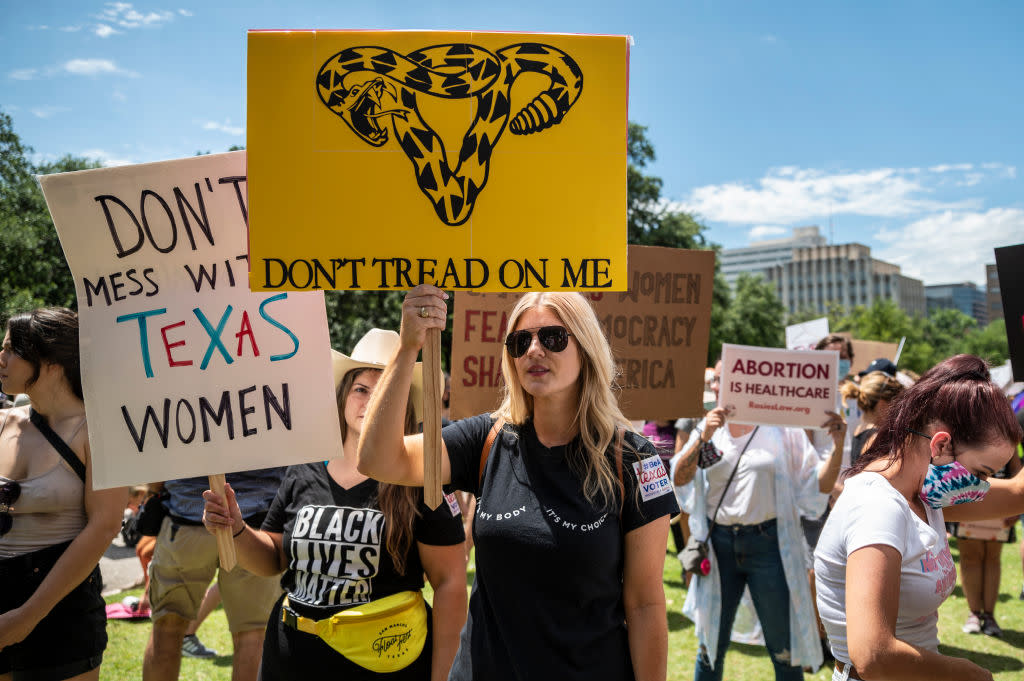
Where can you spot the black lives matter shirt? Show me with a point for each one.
(335, 541)
(547, 599)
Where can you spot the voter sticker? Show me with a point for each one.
(453, 503)
(652, 477)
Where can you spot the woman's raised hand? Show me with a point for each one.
(424, 308)
(714, 420)
(836, 427)
(220, 513)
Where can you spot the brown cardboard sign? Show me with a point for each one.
(658, 331)
(867, 351)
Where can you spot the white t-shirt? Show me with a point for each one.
(871, 511)
(751, 497)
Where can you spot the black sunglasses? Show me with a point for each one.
(553, 338)
(9, 493)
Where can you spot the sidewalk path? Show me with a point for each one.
(120, 567)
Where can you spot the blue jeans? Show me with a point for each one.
(748, 555)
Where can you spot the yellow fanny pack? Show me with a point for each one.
(383, 635)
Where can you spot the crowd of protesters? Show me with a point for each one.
(826, 543)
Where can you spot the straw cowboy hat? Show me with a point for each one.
(373, 351)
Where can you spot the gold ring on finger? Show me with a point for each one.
(424, 313)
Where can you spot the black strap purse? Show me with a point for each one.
(694, 556)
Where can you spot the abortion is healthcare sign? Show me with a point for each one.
(469, 160)
(185, 371)
(768, 386)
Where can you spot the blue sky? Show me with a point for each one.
(898, 123)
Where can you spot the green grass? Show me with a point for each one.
(1004, 657)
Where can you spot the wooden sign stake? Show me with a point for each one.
(432, 390)
(225, 543)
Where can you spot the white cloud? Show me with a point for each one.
(769, 39)
(23, 74)
(765, 231)
(104, 31)
(224, 127)
(184, 13)
(124, 15)
(949, 167)
(94, 67)
(70, 29)
(1001, 170)
(48, 111)
(789, 194)
(950, 246)
(118, 96)
(106, 158)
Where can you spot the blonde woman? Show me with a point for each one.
(572, 516)
(873, 395)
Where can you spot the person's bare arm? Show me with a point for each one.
(643, 597)
(829, 473)
(1005, 498)
(446, 571)
(384, 454)
(104, 510)
(686, 467)
(258, 551)
(872, 604)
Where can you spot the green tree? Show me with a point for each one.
(32, 263)
(651, 222)
(755, 315)
(989, 343)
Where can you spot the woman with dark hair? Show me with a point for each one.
(53, 525)
(572, 506)
(882, 564)
(354, 552)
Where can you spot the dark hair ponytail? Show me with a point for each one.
(957, 392)
(399, 504)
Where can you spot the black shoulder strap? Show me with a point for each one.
(620, 434)
(66, 453)
(714, 517)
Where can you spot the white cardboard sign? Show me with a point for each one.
(769, 386)
(806, 335)
(185, 371)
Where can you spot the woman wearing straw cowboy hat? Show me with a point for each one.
(353, 552)
(571, 509)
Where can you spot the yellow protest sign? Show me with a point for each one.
(478, 161)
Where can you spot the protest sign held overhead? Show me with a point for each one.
(866, 351)
(806, 335)
(658, 331)
(1010, 267)
(382, 160)
(185, 371)
(769, 386)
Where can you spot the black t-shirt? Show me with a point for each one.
(547, 599)
(335, 542)
(857, 443)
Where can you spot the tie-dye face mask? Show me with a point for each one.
(951, 484)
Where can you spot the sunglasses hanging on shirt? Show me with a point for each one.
(10, 490)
